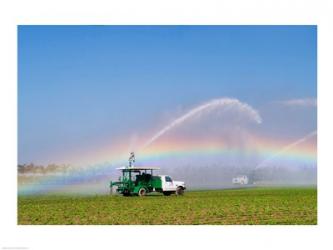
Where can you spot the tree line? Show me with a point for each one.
(50, 168)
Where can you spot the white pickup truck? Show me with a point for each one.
(172, 187)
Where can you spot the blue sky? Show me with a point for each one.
(81, 85)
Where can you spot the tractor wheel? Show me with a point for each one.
(142, 192)
(179, 191)
(126, 192)
(167, 193)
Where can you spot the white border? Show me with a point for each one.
(16, 12)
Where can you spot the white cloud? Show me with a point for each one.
(303, 102)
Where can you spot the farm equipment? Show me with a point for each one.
(240, 180)
(140, 181)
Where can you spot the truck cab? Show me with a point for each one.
(170, 186)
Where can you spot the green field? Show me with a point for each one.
(241, 206)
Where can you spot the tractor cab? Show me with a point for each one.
(136, 180)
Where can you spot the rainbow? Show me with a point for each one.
(79, 178)
(262, 148)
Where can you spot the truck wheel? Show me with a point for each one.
(179, 191)
(142, 192)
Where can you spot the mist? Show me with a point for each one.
(231, 129)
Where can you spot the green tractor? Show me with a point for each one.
(140, 181)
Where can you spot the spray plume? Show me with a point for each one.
(286, 148)
(215, 103)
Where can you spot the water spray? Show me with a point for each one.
(286, 148)
(215, 103)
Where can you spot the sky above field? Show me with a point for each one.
(85, 90)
